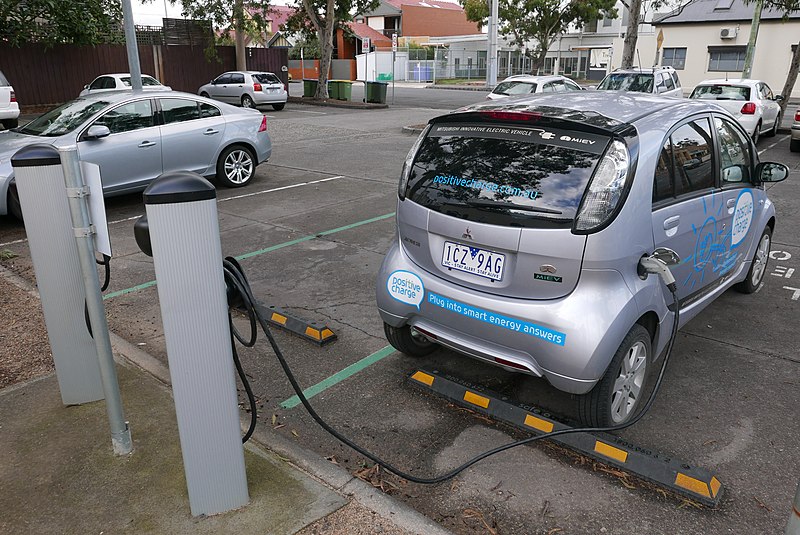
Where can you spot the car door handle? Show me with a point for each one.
(145, 144)
(672, 222)
(731, 203)
(210, 132)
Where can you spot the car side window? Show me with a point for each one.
(572, 86)
(660, 87)
(548, 88)
(668, 82)
(734, 153)
(178, 110)
(559, 86)
(663, 177)
(130, 116)
(223, 79)
(768, 93)
(237, 78)
(98, 83)
(677, 80)
(692, 157)
(207, 110)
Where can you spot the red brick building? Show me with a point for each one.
(416, 20)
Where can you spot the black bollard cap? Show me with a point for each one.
(141, 231)
(36, 155)
(179, 187)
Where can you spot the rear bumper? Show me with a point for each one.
(796, 131)
(270, 98)
(10, 112)
(569, 341)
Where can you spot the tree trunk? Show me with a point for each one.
(791, 78)
(631, 33)
(751, 43)
(537, 62)
(238, 24)
(326, 49)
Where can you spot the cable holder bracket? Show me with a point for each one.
(78, 193)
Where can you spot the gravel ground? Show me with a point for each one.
(24, 348)
(353, 519)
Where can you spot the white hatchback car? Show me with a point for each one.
(9, 109)
(119, 82)
(750, 101)
(526, 84)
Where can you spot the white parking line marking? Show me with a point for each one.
(220, 200)
(314, 112)
(771, 146)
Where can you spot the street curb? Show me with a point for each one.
(484, 88)
(333, 103)
(414, 128)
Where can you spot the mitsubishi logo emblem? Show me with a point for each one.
(467, 234)
(547, 268)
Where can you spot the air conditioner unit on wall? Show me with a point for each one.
(728, 33)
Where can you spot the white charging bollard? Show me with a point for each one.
(793, 527)
(39, 181)
(184, 236)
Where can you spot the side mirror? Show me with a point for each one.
(86, 86)
(97, 131)
(213, 82)
(771, 172)
(778, 98)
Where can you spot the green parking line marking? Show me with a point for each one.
(266, 250)
(351, 370)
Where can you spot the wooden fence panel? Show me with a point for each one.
(186, 67)
(269, 59)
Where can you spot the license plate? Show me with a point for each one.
(473, 260)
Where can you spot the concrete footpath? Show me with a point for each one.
(58, 473)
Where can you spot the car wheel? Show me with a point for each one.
(774, 130)
(8, 124)
(12, 202)
(204, 94)
(278, 107)
(794, 145)
(236, 166)
(247, 102)
(408, 341)
(757, 133)
(759, 265)
(619, 395)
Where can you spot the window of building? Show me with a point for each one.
(726, 59)
(674, 57)
(548, 65)
(607, 22)
(568, 65)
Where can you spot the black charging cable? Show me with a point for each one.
(241, 293)
(106, 261)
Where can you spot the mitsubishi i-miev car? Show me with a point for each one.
(521, 227)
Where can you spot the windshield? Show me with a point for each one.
(504, 175)
(515, 88)
(267, 78)
(63, 119)
(721, 92)
(146, 80)
(628, 81)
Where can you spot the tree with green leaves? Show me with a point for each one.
(321, 18)
(82, 22)
(538, 22)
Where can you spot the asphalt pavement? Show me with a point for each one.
(312, 230)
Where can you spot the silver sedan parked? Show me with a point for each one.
(247, 88)
(135, 137)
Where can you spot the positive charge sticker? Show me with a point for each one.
(742, 217)
(406, 287)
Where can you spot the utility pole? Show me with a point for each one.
(751, 44)
(491, 59)
(130, 42)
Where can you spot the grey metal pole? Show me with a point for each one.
(491, 74)
(79, 210)
(793, 527)
(130, 42)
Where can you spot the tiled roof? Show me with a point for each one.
(279, 15)
(437, 4)
(362, 30)
(717, 11)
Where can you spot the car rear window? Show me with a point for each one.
(721, 92)
(3, 80)
(515, 88)
(504, 175)
(628, 81)
(267, 78)
(146, 81)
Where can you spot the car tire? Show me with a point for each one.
(247, 102)
(408, 342)
(774, 130)
(204, 94)
(12, 202)
(278, 107)
(794, 145)
(8, 124)
(759, 265)
(236, 166)
(619, 394)
(757, 133)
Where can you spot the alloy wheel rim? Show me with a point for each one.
(760, 261)
(627, 388)
(238, 166)
(247, 102)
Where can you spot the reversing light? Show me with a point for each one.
(605, 188)
(13, 97)
(257, 87)
(263, 127)
(406, 172)
(512, 115)
(749, 108)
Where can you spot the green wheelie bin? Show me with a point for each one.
(375, 92)
(309, 87)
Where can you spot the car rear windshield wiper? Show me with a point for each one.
(485, 203)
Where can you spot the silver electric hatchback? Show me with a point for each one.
(521, 226)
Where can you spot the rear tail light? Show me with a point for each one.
(406, 172)
(749, 108)
(286, 87)
(605, 188)
(797, 115)
(13, 97)
(263, 127)
(257, 87)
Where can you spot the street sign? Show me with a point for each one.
(365, 45)
(660, 39)
(394, 42)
